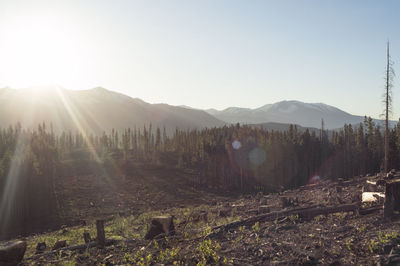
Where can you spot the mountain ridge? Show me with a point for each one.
(290, 112)
(99, 109)
(94, 111)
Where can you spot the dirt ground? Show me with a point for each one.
(128, 203)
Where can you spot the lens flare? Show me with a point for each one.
(257, 156)
(236, 144)
(314, 179)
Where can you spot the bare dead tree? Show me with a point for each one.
(387, 100)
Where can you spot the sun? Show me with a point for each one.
(39, 51)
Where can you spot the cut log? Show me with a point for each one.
(372, 197)
(312, 212)
(306, 213)
(101, 237)
(81, 247)
(160, 225)
(12, 253)
(369, 210)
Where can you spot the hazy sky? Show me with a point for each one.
(206, 54)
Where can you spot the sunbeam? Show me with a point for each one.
(12, 181)
(81, 125)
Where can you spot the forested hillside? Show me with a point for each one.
(236, 158)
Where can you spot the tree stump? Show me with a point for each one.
(101, 236)
(40, 247)
(392, 198)
(86, 237)
(60, 244)
(12, 253)
(161, 225)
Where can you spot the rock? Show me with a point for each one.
(160, 225)
(339, 189)
(60, 244)
(40, 247)
(12, 253)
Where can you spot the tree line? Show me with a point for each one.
(233, 158)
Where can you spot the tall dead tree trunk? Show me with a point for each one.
(387, 111)
(388, 104)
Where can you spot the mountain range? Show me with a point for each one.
(289, 112)
(94, 111)
(98, 110)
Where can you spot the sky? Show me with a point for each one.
(206, 54)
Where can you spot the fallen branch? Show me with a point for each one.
(306, 213)
(108, 242)
(370, 210)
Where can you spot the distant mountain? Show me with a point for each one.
(94, 111)
(289, 112)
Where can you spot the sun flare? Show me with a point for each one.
(39, 52)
